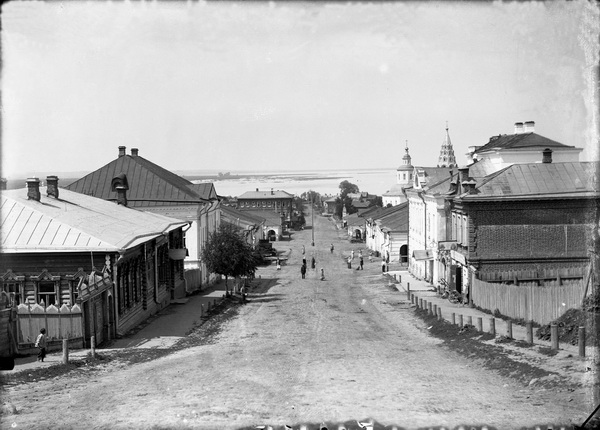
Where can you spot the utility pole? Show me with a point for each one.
(312, 218)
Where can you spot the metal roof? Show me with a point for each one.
(540, 180)
(149, 184)
(233, 214)
(520, 141)
(396, 218)
(275, 194)
(74, 223)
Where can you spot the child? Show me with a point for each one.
(40, 343)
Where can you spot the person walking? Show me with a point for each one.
(352, 254)
(361, 262)
(303, 271)
(304, 261)
(331, 249)
(40, 343)
(278, 264)
(383, 265)
(322, 274)
(349, 262)
(360, 253)
(313, 262)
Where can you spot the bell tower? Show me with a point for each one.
(404, 173)
(447, 158)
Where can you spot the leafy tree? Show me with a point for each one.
(343, 200)
(227, 254)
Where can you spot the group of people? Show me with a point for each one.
(361, 260)
(313, 265)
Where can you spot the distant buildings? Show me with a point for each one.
(276, 206)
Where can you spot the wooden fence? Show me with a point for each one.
(528, 302)
(60, 323)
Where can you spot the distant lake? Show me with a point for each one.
(375, 181)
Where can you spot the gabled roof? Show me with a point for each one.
(354, 219)
(520, 141)
(75, 223)
(395, 219)
(270, 217)
(149, 184)
(275, 194)
(231, 213)
(205, 190)
(371, 212)
(540, 181)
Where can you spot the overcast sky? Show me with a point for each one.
(288, 85)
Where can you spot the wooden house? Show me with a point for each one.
(152, 188)
(82, 266)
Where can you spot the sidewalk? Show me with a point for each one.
(424, 290)
(160, 331)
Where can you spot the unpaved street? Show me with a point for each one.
(302, 351)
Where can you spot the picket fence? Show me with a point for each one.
(528, 302)
(60, 323)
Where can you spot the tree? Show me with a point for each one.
(343, 200)
(227, 254)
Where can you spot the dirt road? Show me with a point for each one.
(303, 351)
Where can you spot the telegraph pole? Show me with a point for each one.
(312, 218)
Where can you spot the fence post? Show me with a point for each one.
(581, 341)
(509, 329)
(453, 318)
(400, 279)
(479, 324)
(93, 345)
(460, 320)
(201, 310)
(429, 311)
(554, 335)
(408, 290)
(493, 326)
(440, 314)
(529, 328)
(65, 357)
(435, 310)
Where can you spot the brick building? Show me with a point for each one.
(527, 222)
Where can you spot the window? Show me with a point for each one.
(47, 293)
(404, 176)
(14, 291)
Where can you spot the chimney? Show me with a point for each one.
(33, 189)
(518, 127)
(463, 174)
(547, 155)
(122, 151)
(469, 186)
(121, 195)
(52, 186)
(529, 127)
(134, 152)
(3, 184)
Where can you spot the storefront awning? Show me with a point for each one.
(423, 254)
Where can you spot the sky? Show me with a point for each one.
(238, 86)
